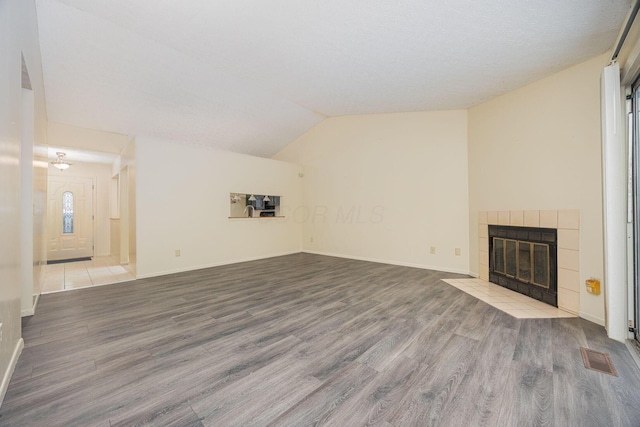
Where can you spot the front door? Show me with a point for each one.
(69, 218)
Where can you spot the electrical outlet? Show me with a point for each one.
(311, 240)
(177, 252)
(457, 251)
(433, 250)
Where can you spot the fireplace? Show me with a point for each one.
(524, 259)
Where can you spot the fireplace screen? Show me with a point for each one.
(524, 259)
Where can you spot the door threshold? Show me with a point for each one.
(60, 261)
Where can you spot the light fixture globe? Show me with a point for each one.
(60, 163)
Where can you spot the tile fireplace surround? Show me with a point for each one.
(567, 222)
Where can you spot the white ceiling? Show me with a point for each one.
(252, 75)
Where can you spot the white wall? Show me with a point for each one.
(538, 148)
(182, 202)
(18, 33)
(40, 186)
(125, 169)
(101, 174)
(61, 135)
(27, 155)
(386, 187)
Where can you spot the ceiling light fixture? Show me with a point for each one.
(60, 163)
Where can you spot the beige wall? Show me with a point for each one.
(61, 135)
(33, 188)
(101, 175)
(386, 188)
(126, 165)
(538, 148)
(18, 34)
(182, 203)
(40, 179)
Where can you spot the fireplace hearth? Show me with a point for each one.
(524, 259)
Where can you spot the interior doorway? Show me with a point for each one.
(70, 218)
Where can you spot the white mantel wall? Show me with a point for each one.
(539, 148)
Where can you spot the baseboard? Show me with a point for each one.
(591, 318)
(9, 372)
(210, 265)
(383, 261)
(35, 303)
(31, 311)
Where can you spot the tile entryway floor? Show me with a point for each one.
(81, 274)
(513, 303)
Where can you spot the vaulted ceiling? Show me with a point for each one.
(251, 75)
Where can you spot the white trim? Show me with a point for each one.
(633, 351)
(383, 261)
(590, 318)
(31, 311)
(12, 366)
(35, 303)
(630, 281)
(614, 192)
(94, 214)
(214, 264)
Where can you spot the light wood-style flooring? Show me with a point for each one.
(308, 340)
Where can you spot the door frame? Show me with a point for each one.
(634, 144)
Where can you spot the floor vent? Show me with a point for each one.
(597, 361)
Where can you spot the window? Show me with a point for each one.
(67, 212)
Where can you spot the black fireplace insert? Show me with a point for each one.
(524, 259)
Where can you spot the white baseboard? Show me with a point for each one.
(591, 318)
(400, 263)
(35, 303)
(9, 372)
(31, 311)
(210, 265)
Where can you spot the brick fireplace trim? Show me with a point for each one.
(566, 221)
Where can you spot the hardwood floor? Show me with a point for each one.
(308, 340)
